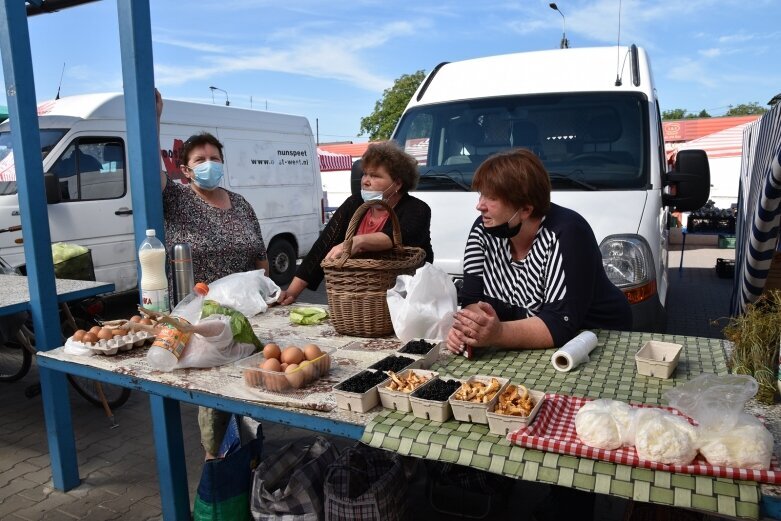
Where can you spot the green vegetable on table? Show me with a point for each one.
(240, 326)
(307, 316)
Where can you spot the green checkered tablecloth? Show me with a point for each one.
(609, 374)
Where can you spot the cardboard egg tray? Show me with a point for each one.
(114, 345)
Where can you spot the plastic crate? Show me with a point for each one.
(725, 268)
(79, 267)
(726, 241)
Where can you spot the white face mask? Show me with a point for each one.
(374, 195)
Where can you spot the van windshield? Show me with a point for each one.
(49, 138)
(588, 141)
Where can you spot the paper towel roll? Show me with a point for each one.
(574, 352)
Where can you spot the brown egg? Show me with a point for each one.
(271, 351)
(78, 335)
(295, 376)
(90, 338)
(292, 355)
(283, 366)
(105, 334)
(135, 318)
(311, 351)
(309, 369)
(95, 330)
(272, 364)
(275, 381)
(147, 321)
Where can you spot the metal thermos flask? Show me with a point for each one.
(181, 257)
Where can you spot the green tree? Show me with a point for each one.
(388, 109)
(745, 109)
(673, 114)
(703, 114)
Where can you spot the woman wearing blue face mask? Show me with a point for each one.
(388, 175)
(533, 274)
(221, 228)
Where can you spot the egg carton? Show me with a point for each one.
(113, 346)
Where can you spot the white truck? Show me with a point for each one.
(270, 159)
(593, 117)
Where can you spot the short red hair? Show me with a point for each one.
(516, 177)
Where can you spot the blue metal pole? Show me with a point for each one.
(135, 38)
(20, 90)
(169, 452)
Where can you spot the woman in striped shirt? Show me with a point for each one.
(533, 274)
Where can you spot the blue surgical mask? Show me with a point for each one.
(207, 175)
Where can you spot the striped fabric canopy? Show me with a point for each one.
(759, 208)
(330, 161)
(725, 143)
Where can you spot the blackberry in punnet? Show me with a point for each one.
(362, 382)
(417, 347)
(438, 390)
(392, 363)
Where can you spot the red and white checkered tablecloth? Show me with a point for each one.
(553, 430)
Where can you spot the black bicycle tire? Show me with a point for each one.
(15, 373)
(87, 390)
(91, 395)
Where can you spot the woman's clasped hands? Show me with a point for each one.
(475, 326)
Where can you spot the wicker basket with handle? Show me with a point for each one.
(356, 285)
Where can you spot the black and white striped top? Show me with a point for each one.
(561, 279)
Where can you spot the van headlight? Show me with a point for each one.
(629, 264)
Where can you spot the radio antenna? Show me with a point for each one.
(60, 85)
(618, 48)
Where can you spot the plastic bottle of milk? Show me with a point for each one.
(154, 284)
(170, 342)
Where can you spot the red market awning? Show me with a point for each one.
(330, 161)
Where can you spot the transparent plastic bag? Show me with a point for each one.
(249, 292)
(662, 437)
(605, 424)
(216, 349)
(728, 436)
(422, 305)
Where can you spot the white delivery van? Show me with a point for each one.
(270, 159)
(600, 139)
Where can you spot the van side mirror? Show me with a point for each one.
(689, 182)
(52, 184)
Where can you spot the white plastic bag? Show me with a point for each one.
(422, 306)
(249, 292)
(216, 350)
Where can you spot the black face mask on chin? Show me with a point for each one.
(504, 231)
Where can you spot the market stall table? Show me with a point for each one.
(609, 374)
(15, 294)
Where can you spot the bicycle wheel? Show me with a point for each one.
(14, 362)
(116, 396)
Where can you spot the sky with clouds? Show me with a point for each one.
(331, 61)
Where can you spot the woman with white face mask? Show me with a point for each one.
(388, 175)
(533, 274)
(221, 228)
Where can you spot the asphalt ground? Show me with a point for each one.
(119, 479)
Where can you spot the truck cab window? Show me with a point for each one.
(91, 169)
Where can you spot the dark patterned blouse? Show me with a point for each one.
(222, 241)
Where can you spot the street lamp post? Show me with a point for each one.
(227, 103)
(564, 41)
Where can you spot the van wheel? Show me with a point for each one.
(282, 261)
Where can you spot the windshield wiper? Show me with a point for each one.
(572, 181)
(447, 177)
